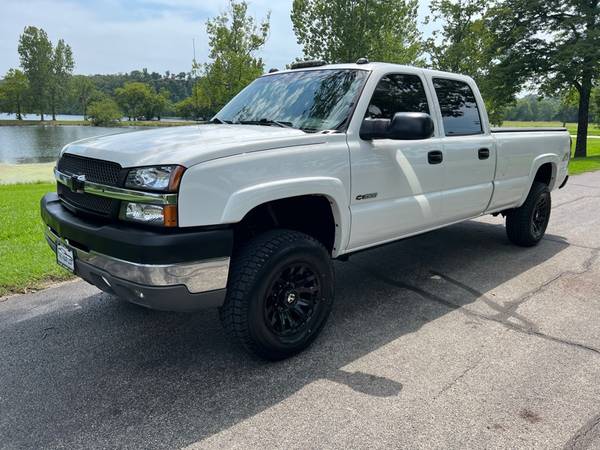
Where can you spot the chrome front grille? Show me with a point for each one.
(94, 170)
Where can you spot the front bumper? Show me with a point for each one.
(149, 268)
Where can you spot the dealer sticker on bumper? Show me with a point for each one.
(64, 257)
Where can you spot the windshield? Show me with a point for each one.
(312, 100)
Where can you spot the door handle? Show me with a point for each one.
(484, 153)
(435, 157)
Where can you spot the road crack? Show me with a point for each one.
(504, 313)
(586, 436)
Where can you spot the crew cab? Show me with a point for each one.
(247, 212)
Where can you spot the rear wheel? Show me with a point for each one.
(279, 295)
(526, 225)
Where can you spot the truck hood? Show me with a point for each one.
(188, 145)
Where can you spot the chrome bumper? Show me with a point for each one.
(197, 277)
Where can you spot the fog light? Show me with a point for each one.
(150, 214)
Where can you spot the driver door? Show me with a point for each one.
(397, 186)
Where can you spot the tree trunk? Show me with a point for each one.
(19, 116)
(42, 116)
(583, 118)
(53, 111)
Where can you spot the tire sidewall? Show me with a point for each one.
(304, 251)
(543, 192)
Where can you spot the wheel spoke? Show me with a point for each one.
(291, 299)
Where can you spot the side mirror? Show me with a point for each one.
(404, 126)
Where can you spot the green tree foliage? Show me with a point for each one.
(104, 112)
(35, 52)
(346, 30)
(552, 42)
(535, 108)
(464, 45)
(62, 68)
(179, 85)
(196, 106)
(233, 38)
(596, 104)
(134, 98)
(13, 93)
(139, 100)
(82, 92)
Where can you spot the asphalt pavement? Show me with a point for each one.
(453, 339)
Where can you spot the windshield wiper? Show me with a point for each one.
(221, 121)
(267, 122)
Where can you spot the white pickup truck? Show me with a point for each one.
(302, 167)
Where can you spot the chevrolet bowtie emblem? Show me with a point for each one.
(77, 183)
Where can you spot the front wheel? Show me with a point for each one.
(279, 295)
(527, 224)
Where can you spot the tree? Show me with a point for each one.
(195, 106)
(35, 52)
(134, 98)
(233, 38)
(345, 30)
(596, 103)
(62, 68)
(83, 91)
(104, 112)
(13, 92)
(465, 45)
(555, 43)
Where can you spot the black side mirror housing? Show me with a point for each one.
(409, 126)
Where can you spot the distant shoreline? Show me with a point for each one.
(86, 123)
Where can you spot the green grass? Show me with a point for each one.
(26, 261)
(125, 123)
(589, 164)
(593, 130)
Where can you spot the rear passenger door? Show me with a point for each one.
(469, 151)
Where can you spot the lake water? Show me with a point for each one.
(42, 143)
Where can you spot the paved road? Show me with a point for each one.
(456, 339)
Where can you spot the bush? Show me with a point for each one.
(104, 112)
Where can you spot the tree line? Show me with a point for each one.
(508, 46)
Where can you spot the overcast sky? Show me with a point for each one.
(123, 35)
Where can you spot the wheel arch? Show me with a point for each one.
(544, 169)
(243, 203)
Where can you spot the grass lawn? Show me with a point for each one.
(26, 261)
(592, 162)
(593, 130)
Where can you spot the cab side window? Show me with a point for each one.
(460, 112)
(397, 93)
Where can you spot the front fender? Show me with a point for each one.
(223, 191)
(243, 201)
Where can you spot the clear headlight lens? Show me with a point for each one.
(149, 214)
(160, 178)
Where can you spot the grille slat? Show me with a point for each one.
(96, 171)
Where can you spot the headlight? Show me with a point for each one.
(148, 214)
(160, 178)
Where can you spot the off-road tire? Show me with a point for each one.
(255, 269)
(524, 225)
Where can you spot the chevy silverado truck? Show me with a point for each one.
(303, 166)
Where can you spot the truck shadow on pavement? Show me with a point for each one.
(102, 372)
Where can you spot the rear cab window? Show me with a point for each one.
(460, 112)
(397, 93)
